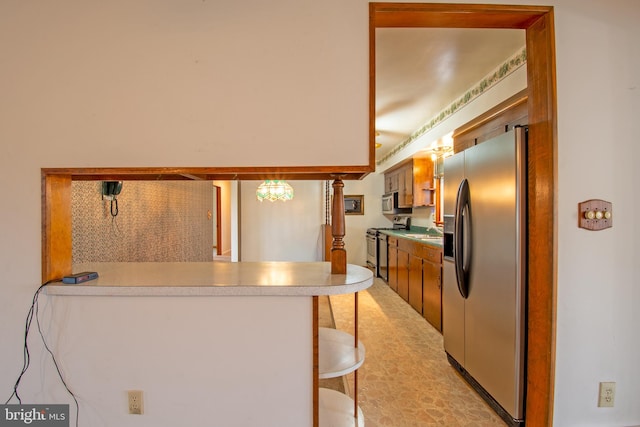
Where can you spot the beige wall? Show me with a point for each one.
(104, 82)
(178, 83)
(282, 231)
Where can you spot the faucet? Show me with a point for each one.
(435, 230)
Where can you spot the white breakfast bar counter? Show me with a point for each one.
(216, 278)
(222, 344)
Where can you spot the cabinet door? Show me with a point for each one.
(423, 182)
(395, 182)
(391, 182)
(432, 293)
(393, 267)
(408, 183)
(405, 187)
(403, 274)
(415, 283)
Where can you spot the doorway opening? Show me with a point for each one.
(537, 21)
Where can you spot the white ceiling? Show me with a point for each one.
(420, 71)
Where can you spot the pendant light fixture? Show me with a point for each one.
(273, 190)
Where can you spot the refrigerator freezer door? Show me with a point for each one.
(452, 313)
(494, 309)
(452, 301)
(453, 176)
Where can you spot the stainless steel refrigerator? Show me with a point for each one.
(484, 280)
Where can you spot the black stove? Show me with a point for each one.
(399, 223)
(377, 256)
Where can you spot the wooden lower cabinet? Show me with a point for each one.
(432, 293)
(415, 283)
(392, 253)
(432, 285)
(415, 273)
(403, 274)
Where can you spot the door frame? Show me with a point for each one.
(218, 213)
(538, 23)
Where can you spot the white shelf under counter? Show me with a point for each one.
(336, 410)
(338, 354)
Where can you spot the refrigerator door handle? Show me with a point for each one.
(462, 248)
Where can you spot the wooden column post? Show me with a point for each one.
(338, 252)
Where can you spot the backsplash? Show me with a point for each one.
(157, 221)
(422, 217)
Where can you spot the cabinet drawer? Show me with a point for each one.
(431, 254)
(392, 241)
(406, 245)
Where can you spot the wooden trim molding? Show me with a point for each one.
(218, 197)
(543, 245)
(316, 362)
(56, 196)
(538, 23)
(509, 113)
(510, 103)
(56, 227)
(446, 15)
(212, 173)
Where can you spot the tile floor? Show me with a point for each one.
(405, 380)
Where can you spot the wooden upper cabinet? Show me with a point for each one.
(423, 183)
(391, 182)
(400, 179)
(405, 186)
(414, 182)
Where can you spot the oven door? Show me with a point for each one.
(371, 251)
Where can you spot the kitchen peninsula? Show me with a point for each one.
(248, 335)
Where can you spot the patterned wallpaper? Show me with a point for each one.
(157, 221)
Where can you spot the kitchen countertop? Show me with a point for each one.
(215, 278)
(417, 235)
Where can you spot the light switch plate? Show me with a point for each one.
(595, 214)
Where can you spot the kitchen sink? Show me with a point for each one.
(423, 236)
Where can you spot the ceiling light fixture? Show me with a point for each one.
(273, 190)
(441, 150)
(442, 147)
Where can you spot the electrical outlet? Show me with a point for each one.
(607, 394)
(136, 403)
